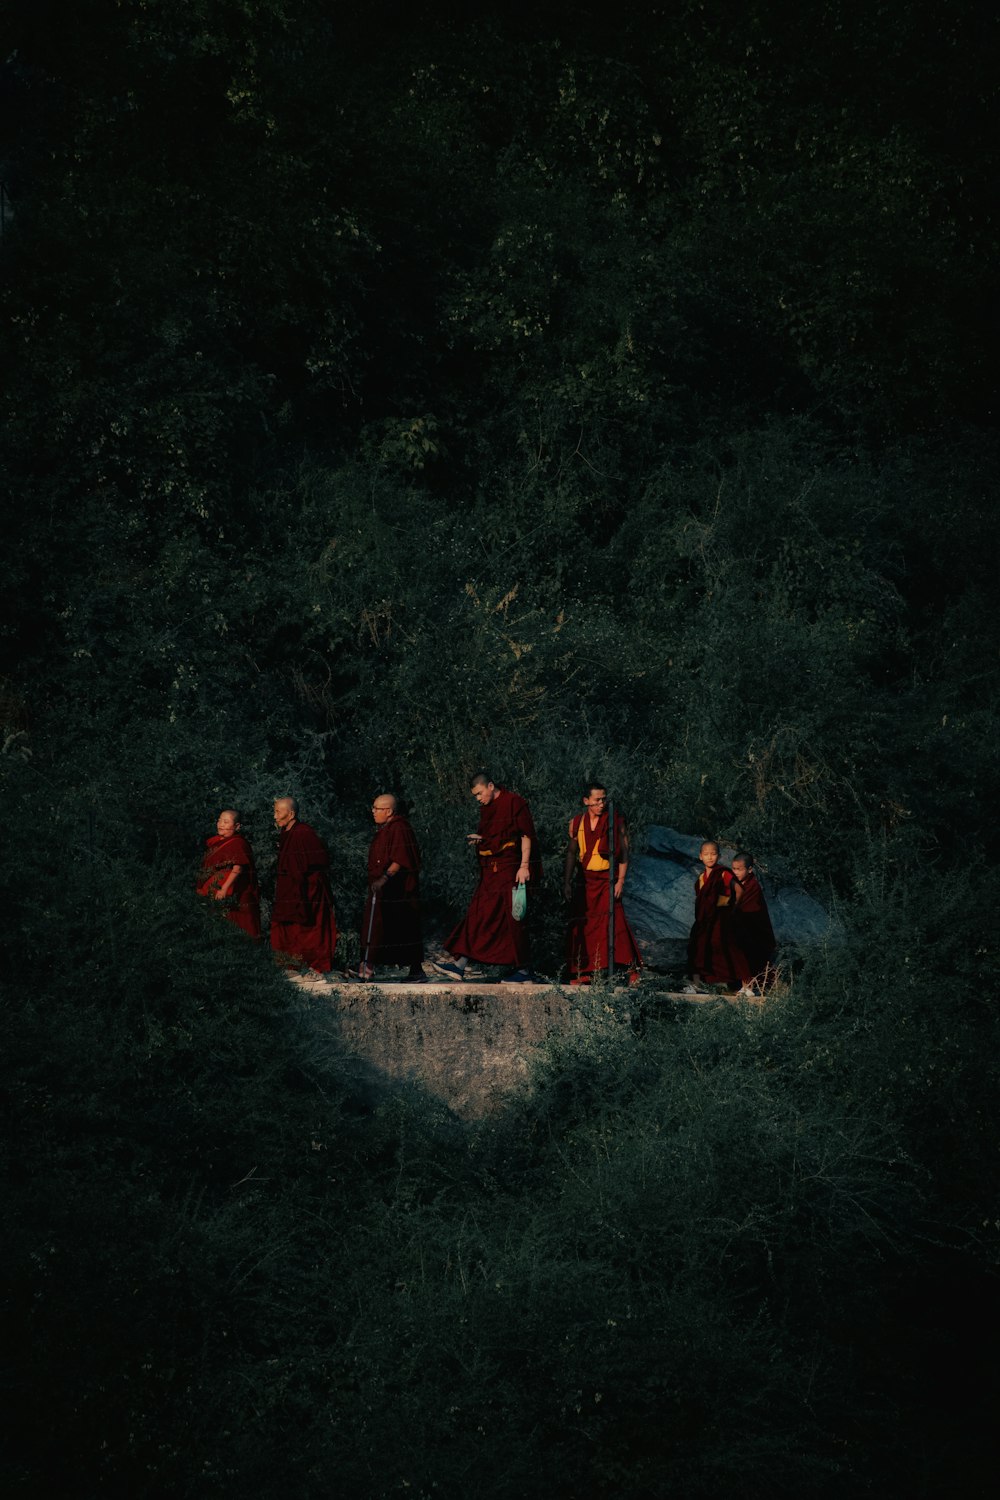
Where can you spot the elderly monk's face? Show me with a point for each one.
(226, 825)
(283, 814)
(484, 794)
(382, 811)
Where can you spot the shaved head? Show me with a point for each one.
(384, 809)
(227, 822)
(480, 779)
(286, 812)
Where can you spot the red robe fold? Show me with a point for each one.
(753, 932)
(241, 905)
(488, 933)
(390, 926)
(713, 951)
(587, 934)
(302, 921)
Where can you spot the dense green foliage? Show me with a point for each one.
(392, 393)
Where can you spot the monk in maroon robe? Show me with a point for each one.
(507, 854)
(714, 957)
(752, 928)
(390, 926)
(228, 874)
(587, 889)
(303, 927)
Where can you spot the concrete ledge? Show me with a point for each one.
(471, 1044)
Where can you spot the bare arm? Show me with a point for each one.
(622, 870)
(569, 866)
(524, 873)
(228, 883)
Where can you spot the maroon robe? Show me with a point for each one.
(390, 928)
(488, 933)
(241, 904)
(753, 932)
(303, 925)
(587, 935)
(713, 952)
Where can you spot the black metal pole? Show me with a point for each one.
(611, 893)
(371, 923)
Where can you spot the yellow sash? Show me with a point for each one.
(595, 862)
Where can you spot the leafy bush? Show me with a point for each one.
(395, 397)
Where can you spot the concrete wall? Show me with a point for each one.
(470, 1046)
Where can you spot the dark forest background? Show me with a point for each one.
(392, 390)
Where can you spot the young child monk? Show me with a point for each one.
(228, 873)
(752, 928)
(713, 955)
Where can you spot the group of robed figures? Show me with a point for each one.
(494, 930)
(303, 926)
(732, 942)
